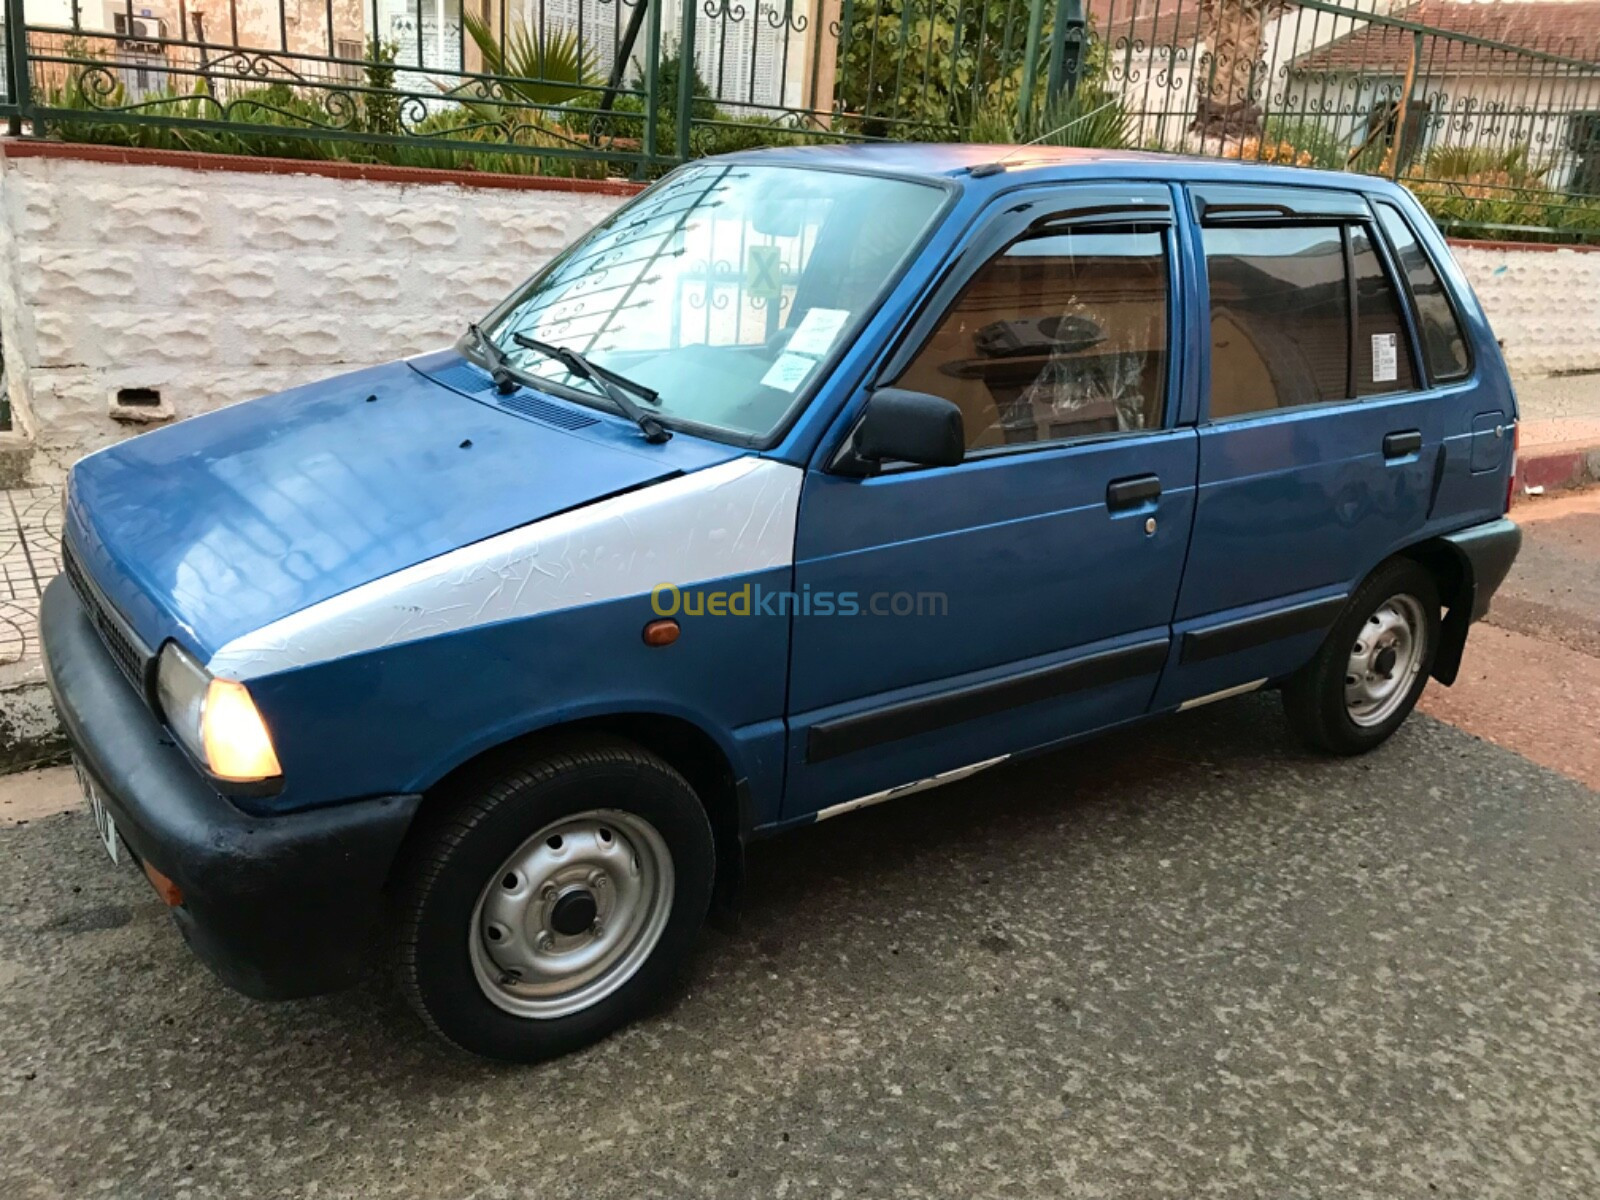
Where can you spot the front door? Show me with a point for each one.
(952, 616)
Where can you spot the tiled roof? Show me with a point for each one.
(1145, 24)
(1571, 29)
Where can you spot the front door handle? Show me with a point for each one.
(1402, 443)
(1132, 491)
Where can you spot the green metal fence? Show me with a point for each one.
(1494, 122)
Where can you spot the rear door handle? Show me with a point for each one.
(1132, 491)
(1398, 445)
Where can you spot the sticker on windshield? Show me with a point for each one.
(763, 272)
(816, 333)
(789, 372)
(1385, 358)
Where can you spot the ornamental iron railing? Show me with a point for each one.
(1489, 111)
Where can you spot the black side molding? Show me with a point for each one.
(1202, 644)
(846, 735)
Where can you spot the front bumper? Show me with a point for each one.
(278, 906)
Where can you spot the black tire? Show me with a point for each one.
(1314, 697)
(462, 848)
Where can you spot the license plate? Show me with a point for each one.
(104, 824)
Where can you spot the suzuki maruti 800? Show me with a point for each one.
(811, 478)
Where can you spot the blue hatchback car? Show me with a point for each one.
(810, 479)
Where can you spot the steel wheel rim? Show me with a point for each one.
(1385, 660)
(527, 954)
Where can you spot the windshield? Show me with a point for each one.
(724, 289)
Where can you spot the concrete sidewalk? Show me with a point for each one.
(1560, 447)
(1560, 437)
(30, 556)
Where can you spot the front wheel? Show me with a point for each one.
(1372, 668)
(548, 908)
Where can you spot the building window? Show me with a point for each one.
(351, 70)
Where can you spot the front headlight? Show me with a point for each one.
(215, 718)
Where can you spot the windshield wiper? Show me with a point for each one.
(616, 387)
(499, 365)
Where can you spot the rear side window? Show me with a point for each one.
(1443, 345)
(1382, 350)
(1057, 337)
(1280, 318)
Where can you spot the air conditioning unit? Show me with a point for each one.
(139, 34)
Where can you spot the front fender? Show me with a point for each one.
(400, 718)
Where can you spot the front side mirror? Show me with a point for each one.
(912, 427)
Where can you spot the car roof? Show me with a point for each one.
(1012, 165)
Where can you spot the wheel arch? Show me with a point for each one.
(1453, 575)
(681, 743)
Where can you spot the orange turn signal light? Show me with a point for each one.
(165, 888)
(661, 633)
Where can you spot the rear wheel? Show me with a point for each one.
(555, 904)
(1372, 668)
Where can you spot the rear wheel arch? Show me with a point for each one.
(1452, 574)
(1394, 612)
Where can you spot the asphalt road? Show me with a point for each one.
(1190, 960)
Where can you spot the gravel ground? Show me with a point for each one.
(1188, 960)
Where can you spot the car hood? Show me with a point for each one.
(218, 525)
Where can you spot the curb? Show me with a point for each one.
(30, 733)
(1553, 469)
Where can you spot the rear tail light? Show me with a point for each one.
(1511, 475)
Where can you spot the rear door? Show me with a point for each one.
(1320, 448)
(951, 616)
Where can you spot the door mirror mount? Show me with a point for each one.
(903, 426)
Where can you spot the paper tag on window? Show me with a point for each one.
(1385, 358)
(763, 272)
(789, 372)
(817, 330)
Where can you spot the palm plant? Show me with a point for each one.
(527, 72)
(536, 65)
(1232, 70)
(1091, 116)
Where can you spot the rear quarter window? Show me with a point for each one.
(1444, 347)
(1382, 358)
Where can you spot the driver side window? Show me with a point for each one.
(1059, 336)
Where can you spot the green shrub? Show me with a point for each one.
(1311, 138)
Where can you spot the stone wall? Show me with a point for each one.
(209, 286)
(1541, 301)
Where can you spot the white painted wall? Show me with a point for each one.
(216, 286)
(1541, 304)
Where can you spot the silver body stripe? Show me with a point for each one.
(730, 519)
(1225, 693)
(908, 789)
